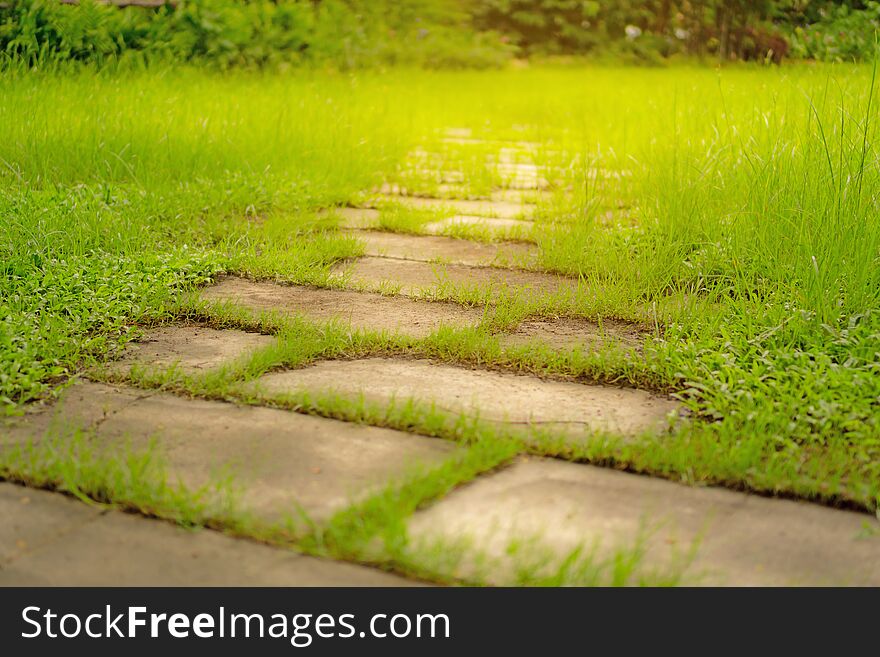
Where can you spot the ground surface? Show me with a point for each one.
(462, 476)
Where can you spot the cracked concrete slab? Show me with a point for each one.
(739, 539)
(412, 278)
(445, 249)
(361, 311)
(493, 396)
(190, 348)
(48, 539)
(279, 460)
(79, 407)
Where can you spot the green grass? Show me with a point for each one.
(733, 211)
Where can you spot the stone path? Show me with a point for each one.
(289, 466)
(47, 539)
(494, 396)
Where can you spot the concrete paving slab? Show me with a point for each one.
(742, 539)
(48, 539)
(413, 278)
(358, 217)
(445, 249)
(571, 332)
(494, 396)
(517, 228)
(359, 310)
(190, 348)
(279, 459)
(483, 208)
(79, 408)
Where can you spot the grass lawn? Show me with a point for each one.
(734, 212)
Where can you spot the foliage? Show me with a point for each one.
(841, 33)
(225, 33)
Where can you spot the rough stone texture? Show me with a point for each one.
(191, 348)
(280, 460)
(360, 311)
(81, 407)
(495, 396)
(413, 278)
(742, 539)
(47, 539)
(444, 249)
(569, 332)
(452, 191)
(358, 217)
(499, 209)
(515, 227)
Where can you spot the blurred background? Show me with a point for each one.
(436, 33)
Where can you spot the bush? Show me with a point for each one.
(259, 33)
(841, 34)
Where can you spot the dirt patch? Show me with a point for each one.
(49, 539)
(279, 459)
(495, 396)
(566, 333)
(743, 539)
(359, 310)
(445, 249)
(191, 348)
(415, 277)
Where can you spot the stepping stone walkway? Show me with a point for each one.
(290, 465)
(479, 208)
(283, 461)
(496, 396)
(509, 228)
(359, 311)
(414, 278)
(444, 249)
(192, 348)
(740, 539)
(47, 539)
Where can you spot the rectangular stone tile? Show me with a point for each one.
(494, 396)
(47, 539)
(80, 407)
(742, 539)
(413, 277)
(486, 208)
(190, 348)
(571, 332)
(508, 228)
(359, 310)
(280, 460)
(444, 249)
